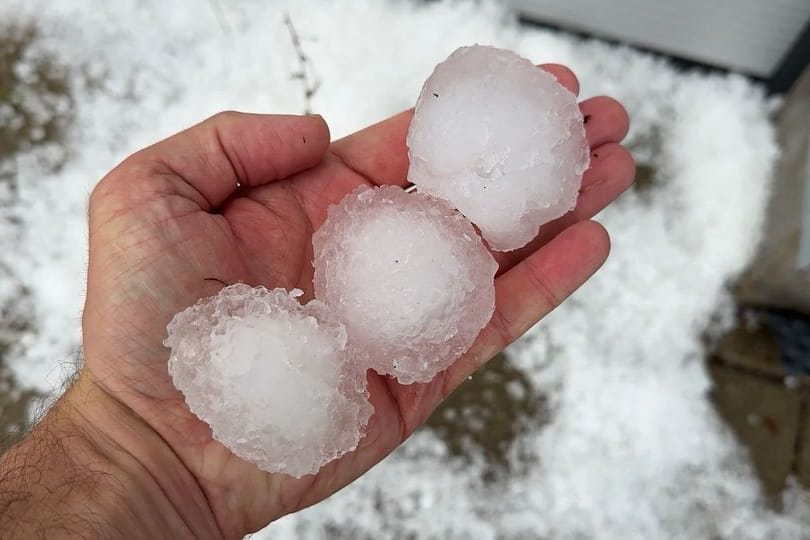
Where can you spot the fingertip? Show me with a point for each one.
(599, 233)
(563, 75)
(312, 128)
(599, 237)
(610, 163)
(622, 118)
(626, 167)
(320, 124)
(608, 120)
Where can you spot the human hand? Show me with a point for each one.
(236, 199)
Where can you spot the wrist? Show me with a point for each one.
(93, 467)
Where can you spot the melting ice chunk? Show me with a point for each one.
(408, 276)
(271, 377)
(500, 140)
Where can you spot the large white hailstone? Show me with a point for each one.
(271, 377)
(500, 140)
(408, 276)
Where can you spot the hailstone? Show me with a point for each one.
(408, 276)
(500, 140)
(271, 377)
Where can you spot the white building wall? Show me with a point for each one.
(746, 35)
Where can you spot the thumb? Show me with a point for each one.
(233, 149)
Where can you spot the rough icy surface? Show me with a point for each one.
(271, 377)
(409, 277)
(500, 140)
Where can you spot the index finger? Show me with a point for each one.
(378, 153)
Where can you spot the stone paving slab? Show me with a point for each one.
(765, 416)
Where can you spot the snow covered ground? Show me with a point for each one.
(633, 448)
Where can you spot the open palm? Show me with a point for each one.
(237, 198)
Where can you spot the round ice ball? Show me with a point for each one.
(270, 376)
(500, 140)
(408, 276)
